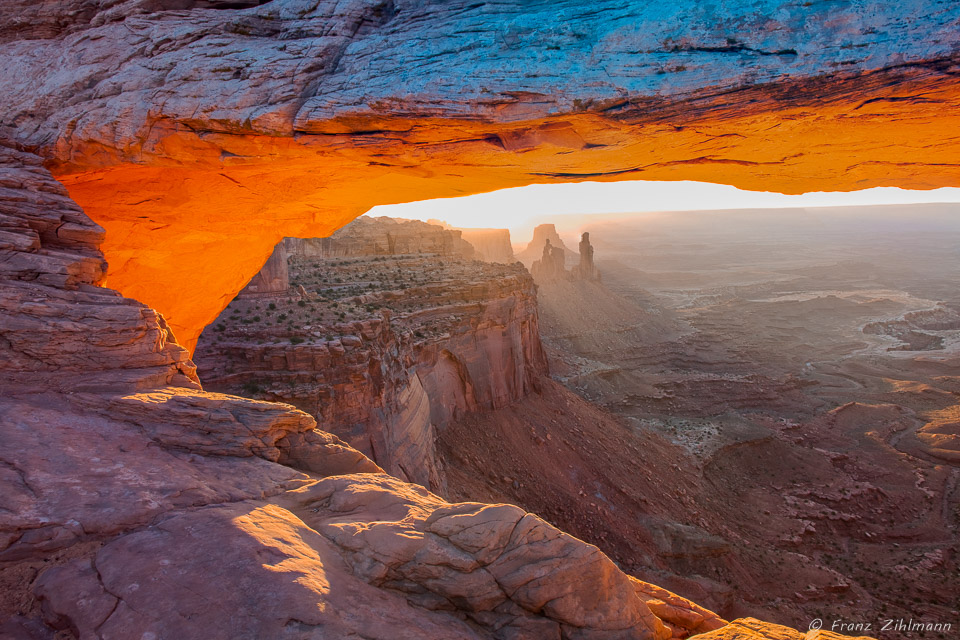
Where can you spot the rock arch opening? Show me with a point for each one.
(217, 203)
(339, 107)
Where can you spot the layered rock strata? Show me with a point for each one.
(60, 331)
(385, 351)
(491, 245)
(368, 236)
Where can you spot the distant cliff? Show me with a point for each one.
(368, 236)
(273, 277)
(541, 235)
(491, 245)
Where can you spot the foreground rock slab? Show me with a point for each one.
(352, 555)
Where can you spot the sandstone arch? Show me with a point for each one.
(198, 138)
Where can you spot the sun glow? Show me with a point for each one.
(571, 205)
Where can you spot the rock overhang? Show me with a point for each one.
(198, 138)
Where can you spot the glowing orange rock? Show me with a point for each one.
(192, 222)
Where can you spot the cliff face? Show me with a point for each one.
(299, 115)
(492, 245)
(416, 351)
(355, 383)
(273, 277)
(542, 234)
(368, 236)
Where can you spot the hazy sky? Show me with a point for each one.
(522, 208)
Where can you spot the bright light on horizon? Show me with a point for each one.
(568, 205)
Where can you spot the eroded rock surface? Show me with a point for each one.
(103, 422)
(59, 330)
(380, 557)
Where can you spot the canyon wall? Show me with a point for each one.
(198, 138)
(356, 385)
(368, 236)
(492, 245)
(273, 277)
(406, 363)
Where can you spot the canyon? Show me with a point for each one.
(803, 370)
(153, 153)
(652, 393)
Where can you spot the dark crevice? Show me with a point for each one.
(596, 174)
(227, 4)
(735, 47)
(910, 99)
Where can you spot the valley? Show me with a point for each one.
(768, 436)
(807, 369)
